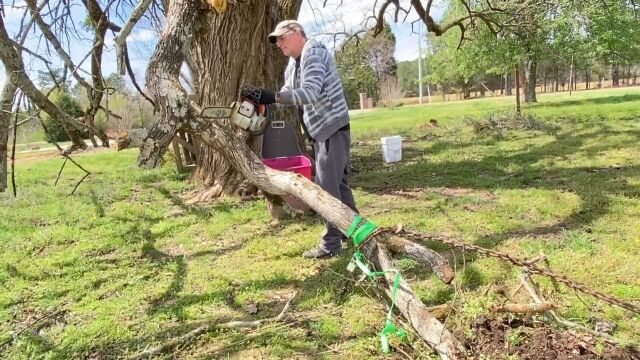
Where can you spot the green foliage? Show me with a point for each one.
(613, 32)
(68, 104)
(116, 82)
(561, 36)
(407, 73)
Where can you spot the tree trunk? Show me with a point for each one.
(557, 80)
(517, 75)
(530, 67)
(587, 79)
(507, 84)
(635, 76)
(100, 25)
(14, 66)
(571, 82)
(615, 75)
(544, 79)
(229, 50)
(6, 104)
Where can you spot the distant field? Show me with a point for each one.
(610, 103)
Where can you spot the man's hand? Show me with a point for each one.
(267, 97)
(257, 95)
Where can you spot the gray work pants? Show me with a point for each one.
(332, 168)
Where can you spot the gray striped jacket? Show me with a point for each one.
(320, 92)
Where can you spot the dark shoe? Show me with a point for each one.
(318, 253)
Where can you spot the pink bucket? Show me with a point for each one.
(299, 164)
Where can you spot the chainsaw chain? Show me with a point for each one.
(531, 268)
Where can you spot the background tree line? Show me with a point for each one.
(554, 45)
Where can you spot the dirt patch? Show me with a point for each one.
(31, 156)
(410, 194)
(501, 338)
(457, 192)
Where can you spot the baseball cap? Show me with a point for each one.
(282, 28)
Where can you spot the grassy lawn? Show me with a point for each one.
(124, 265)
(609, 103)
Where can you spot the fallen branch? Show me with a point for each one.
(209, 327)
(527, 283)
(177, 110)
(426, 325)
(421, 254)
(29, 327)
(532, 268)
(524, 308)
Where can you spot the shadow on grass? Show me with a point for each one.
(594, 185)
(328, 285)
(605, 100)
(198, 210)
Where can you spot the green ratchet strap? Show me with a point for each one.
(389, 328)
(359, 233)
(354, 225)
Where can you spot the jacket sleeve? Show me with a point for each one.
(286, 87)
(313, 72)
(287, 79)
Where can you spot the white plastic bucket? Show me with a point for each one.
(391, 148)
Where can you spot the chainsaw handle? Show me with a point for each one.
(263, 110)
(251, 93)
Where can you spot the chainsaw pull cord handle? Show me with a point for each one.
(266, 110)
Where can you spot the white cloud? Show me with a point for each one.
(142, 35)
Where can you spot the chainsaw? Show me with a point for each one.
(246, 113)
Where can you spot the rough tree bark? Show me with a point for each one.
(530, 77)
(6, 104)
(12, 61)
(228, 50)
(100, 25)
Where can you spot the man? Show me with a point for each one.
(314, 86)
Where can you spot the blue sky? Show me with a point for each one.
(334, 17)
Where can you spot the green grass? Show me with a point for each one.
(609, 103)
(123, 265)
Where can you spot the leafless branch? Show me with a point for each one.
(121, 40)
(208, 327)
(32, 53)
(133, 77)
(53, 40)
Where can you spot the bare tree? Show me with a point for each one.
(390, 92)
